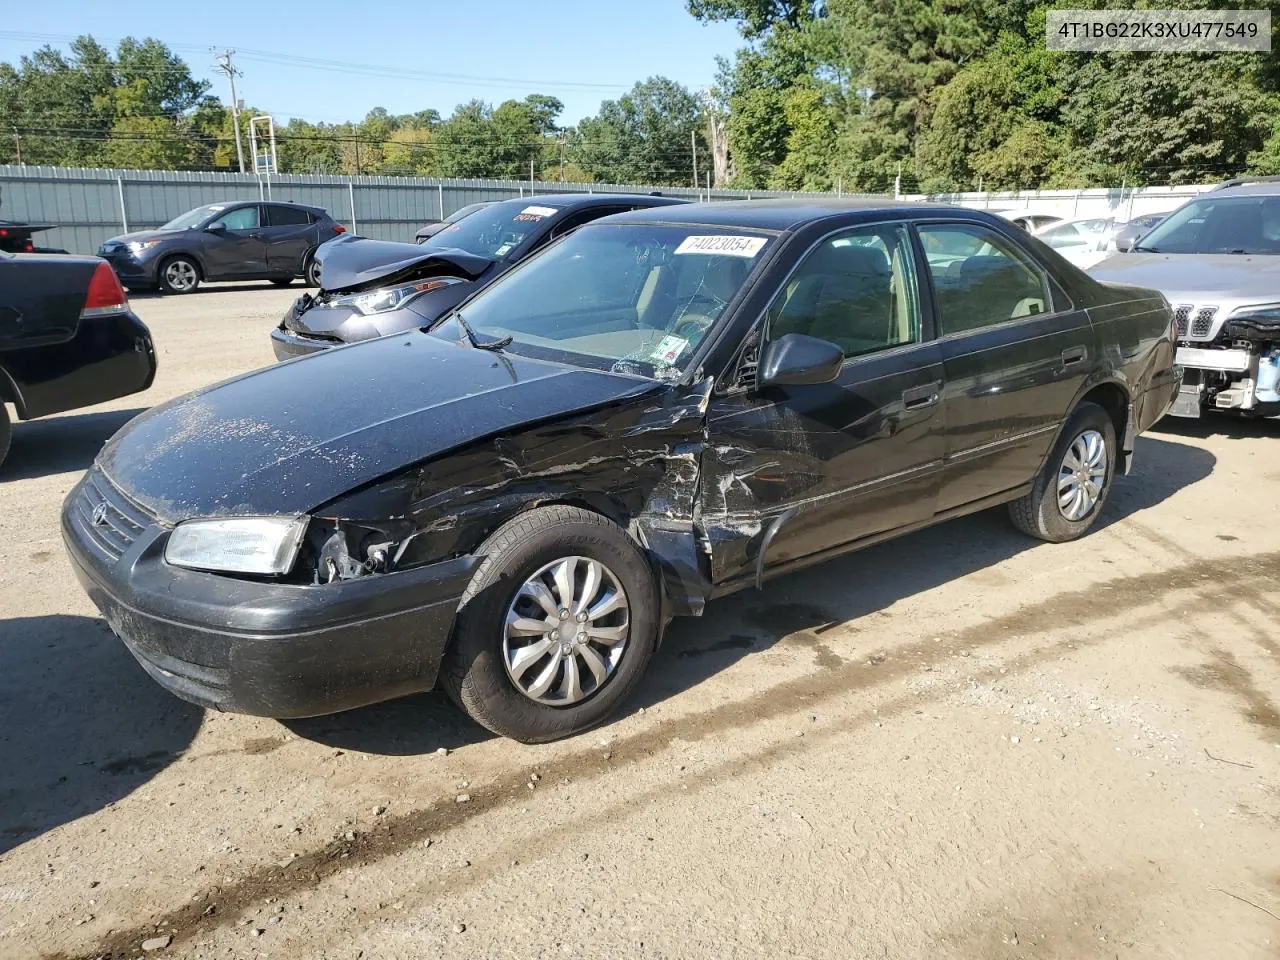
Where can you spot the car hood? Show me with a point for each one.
(353, 263)
(287, 439)
(1220, 279)
(146, 235)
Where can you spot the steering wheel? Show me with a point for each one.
(692, 326)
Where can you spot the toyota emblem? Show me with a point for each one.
(99, 514)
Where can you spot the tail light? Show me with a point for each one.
(339, 228)
(105, 294)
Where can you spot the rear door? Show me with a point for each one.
(800, 469)
(289, 233)
(1015, 354)
(235, 247)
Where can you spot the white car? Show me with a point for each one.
(1029, 220)
(1084, 242)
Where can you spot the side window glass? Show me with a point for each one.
(857, 290)
(245, 218)
(979, 279)
(287, 216)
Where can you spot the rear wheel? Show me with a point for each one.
(1070, 491)
(6, 432)
(179, 275)
(556, 628)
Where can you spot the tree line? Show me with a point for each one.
(141, 107)
(961, 96)
(852, 95)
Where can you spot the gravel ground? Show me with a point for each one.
(960, 744)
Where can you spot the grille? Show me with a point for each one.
(111, 522)
(1182, 314)
(1203, 322)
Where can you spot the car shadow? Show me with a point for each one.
(81, 724)
(845, 591)
(53, 445)
(801, 606)
(1219, 425)
(410, 726)
(218, 287)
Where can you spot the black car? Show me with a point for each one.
(67, 337)
(248, 240)
(431, 229)
(660, 409)
(373, 288)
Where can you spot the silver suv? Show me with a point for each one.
(1217, 261)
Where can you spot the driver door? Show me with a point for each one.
(793, 471)
(233, 244)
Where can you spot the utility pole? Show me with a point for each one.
(225, 65)
(562, 156)
(693, 139)
(17, 143)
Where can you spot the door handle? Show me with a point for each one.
(1074, 355)
(918, 398)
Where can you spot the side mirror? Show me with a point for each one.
(216, 227)
(795, 359)
(1123, 244)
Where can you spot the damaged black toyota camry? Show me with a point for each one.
(660, 408)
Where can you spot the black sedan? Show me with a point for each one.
(431, 229)
(67, 337)
(660, 409)
(374, 288)
(247, 240)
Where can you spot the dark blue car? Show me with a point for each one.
(245, 240)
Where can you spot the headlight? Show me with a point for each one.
(237, 544)
(137, 246)
(1259, 311)
(391, 298)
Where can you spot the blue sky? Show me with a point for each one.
(425, 52)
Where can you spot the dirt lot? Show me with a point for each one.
(962, 744)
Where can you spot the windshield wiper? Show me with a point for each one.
(476, 341)
(1139, 248)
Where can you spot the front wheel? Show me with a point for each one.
(6, 432)
(311, 273)
(1069, 492)
(557, 627)
(179, 275)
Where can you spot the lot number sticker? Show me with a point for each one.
(534, 214)
(722, 246)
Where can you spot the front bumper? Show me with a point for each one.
(270, 649)
(131, 271)
(287, 344)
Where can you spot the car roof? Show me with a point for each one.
(789, 214)
(575, 201)
(1244, 190)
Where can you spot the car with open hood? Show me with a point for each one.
(244, 240)
(1217, 260)
(374, 288)
(661, 408)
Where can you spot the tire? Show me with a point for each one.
(179, 275)
(475, 672)
(311, 272)
(281, 281)
(1040, 514)
(6, 432)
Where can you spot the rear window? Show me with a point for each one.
(287, 216)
